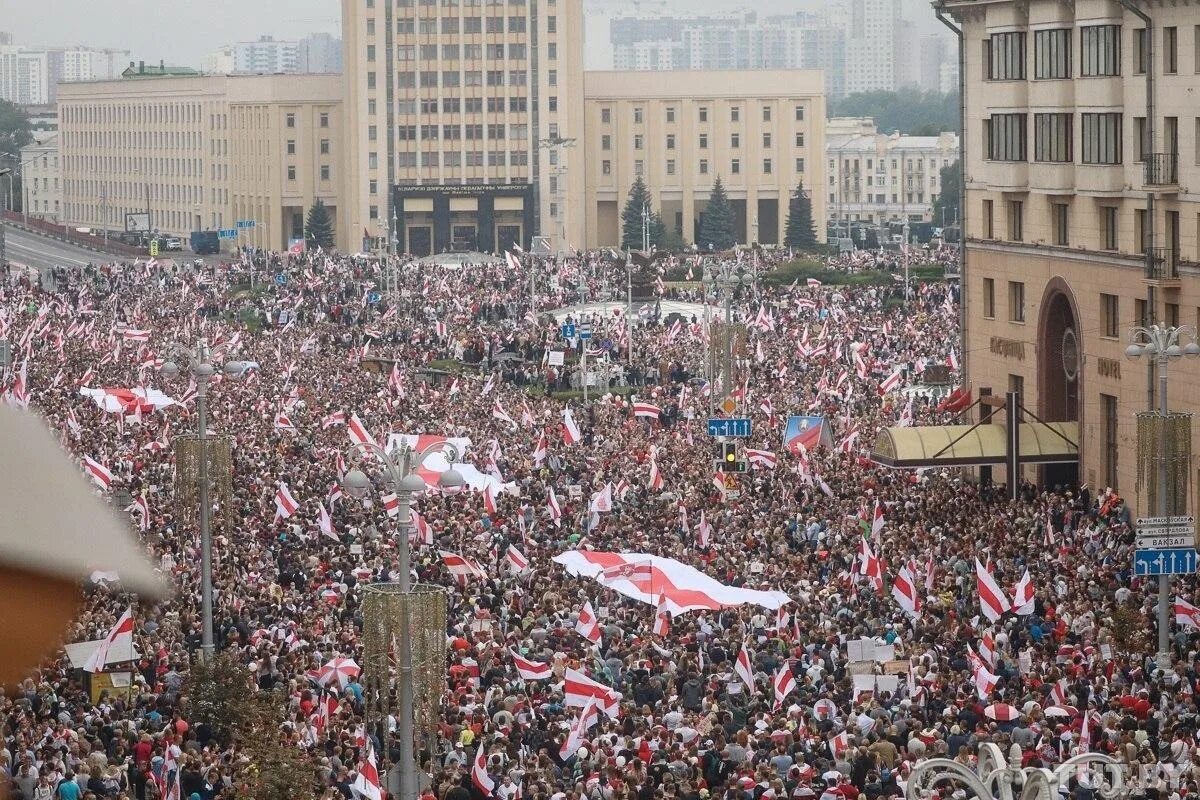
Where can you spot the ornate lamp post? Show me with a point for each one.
(998, 778)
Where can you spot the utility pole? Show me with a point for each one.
(645, 228)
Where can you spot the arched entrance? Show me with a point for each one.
(1060, 370)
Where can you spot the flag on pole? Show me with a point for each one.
(530, 670)
(742, 667)
(285, 504)
(662, 618)
(516, 559)
(479, 774)
(992, 601)
(358, 432)
(119, 639)
(367, 785)
(588, 626)
(98, 472)
(326, 523)
(571, 434)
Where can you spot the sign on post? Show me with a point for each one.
(154, 248)
(1177, 561)
(280, 279)
(585, 330)
(734, 427)
(137, 221)
(245, 223)
(227, 233)
(568, 330)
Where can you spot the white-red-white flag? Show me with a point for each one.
(285, 504)
(489, 500)
(571, 434)
(330, 420)
(761, 458)
(646, 410)
(662, 617)
(992, 601)
(578, 688)
(391, 504)
(118, 643)
(421, 532)
(530, 670)
(703, 531)
(284, 423)
(577, 733)
(358, 432)
(784, 683)
(839, 744)
(1186, 614)
(743, 668)
(539, 450)
(142, 510)
(479, 774)
(1022, 602)
(516, 559)
(461, 567)
(588, 626)
(366, 785)
(98, 472)
(891, 383)
(601, 501)
(904, 589)
(325, 521)
(554, 508)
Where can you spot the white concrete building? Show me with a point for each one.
(880, 178)
(266, 56)
(320, 52)
(24, 76)
(873, 39)
(41, 180)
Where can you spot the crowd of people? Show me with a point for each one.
(470, 352)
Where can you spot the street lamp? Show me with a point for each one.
(1161, 343)
(399, 469)
(729, 277)
(196, 360)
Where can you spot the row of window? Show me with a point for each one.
(453, 3)
(471, 158)
(450, 52)
(324, 173)
(735, 140)
(917, 198)
(1005, 137)
(1004, 54)
(430, 26)
(454, 132)
(469, 105)
(735, 166)
(735, 114)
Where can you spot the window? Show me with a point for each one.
(735, 114)
(372, 133)
(372, 160)
(370, 80)
(1052, 137)
(606, 167)
(766, 113)
(989, 298)
(1005, 137)
(1006, 53)
(639, 167)
(704, 166)
(291, 147)
(606, 142)
(703, 114)
(291, 120)
(637, 142)
(988, 228)
(670, 166)
(799, 113)
(799, 165)
(1016, 383)
(799, 140)
(637, 116)
(450, 25)
(1196, 48)
(1139, 51)
(1140, 232)
(1171, 313)
(324, 172)
(735, 166)
(370, 49)
(551, 103)
(766, 166)
(552, 51)
(495, 25)
(373, 186)
(1101, 138)
(670, 141)
(516, 51)
(291, 173)
(1142, 133)
(704, 141)
(1016, 301)
(552, 77)
(670, 113)
(373, 212)
(1052, 54)
(605, 116)
(1016, 220)
(1110, 315)
(1108, 228)
(1108, 410)
(551, 24)
(735, 140)
(472, 25)
(766, 140)
(1139, 313)
(1060, 219)
(1170, 44)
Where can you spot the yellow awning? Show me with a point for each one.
(962, 446)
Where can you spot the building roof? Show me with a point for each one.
(702, 84)
(143, 70)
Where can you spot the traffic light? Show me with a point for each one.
(729, 457)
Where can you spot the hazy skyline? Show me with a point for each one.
(182, 32)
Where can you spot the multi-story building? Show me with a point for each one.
(221, 61)
(320, 52)
(266, 56)
(873, 45)
(761, 132)
(458, 117)
(879, 178)
(1082, 149)
(201, 152)
(72, 64)
(661, 55)
(24, 76)
(41, 180)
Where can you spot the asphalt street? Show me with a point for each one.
(42, 254)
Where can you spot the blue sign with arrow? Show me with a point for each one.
(568, 330)
(1176, 561)
(735, 427)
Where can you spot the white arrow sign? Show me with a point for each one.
(1164, 541)
(1165, 522)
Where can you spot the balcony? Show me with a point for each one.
(1162, 268)
(1161, 172)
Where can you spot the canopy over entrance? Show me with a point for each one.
(975, 445)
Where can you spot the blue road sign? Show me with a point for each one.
(1177, 561)
(227, 233)
(735, 427)
(372, 297)
(568, 330)
(245, 223)
(585, 330)
(281, 279)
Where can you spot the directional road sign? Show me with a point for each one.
(1165, 524)
(281, 279)
(585, 330)
(1179, 561)
(735, 427)
(227, 233)
(568, 330)
(245, 223)
(1165, 541)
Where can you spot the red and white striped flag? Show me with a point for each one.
(577, 733)
(743, 668)
(489, 500)
(391, 504)
(325, 521)
(654, 481)
(839, 744)
(579, 688)
(891, 383)
(662, 618)
(284, 423)
(1023, 592)
(421, 531)
(539, 450)
(554, 508)
(703, 532)
(139, 507)
(992, 601)
(516, 559)
(646, 410)
(118, 642)
(904, 589)
(479, 774)
(761, 458)
(366, 785)
(358, 432)
(571, 434)
(869, 566)
(285, 504)
(784, 683)
(1186, 614)
(330, 420)
(499, 413)
(98, 472)
(587, 625)
(461, 567)
(530, 670)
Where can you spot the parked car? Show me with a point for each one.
(173, 244)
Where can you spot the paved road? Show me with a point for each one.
(41, 253)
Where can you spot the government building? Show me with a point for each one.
(1082, 211)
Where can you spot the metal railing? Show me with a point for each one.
(1162, 264)
(1162, 169)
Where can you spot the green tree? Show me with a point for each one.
(318, 229)
(945, 207)
(716, 229)
(275, 769)
(15, 133)
(217, 692)
(907, 110)
(800, 232)
(631, 216)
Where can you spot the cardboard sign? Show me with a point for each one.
(555, 358)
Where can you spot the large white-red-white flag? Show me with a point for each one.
(516, 559)
(118, 642)
(420, 530)
(579, 688)
(285, 504)
(904, 589)
(142, 510)
(579, 728)
(891, 382)
(539, 450)
(330, 420)
(1186, 614)
(325, 521)
(367, 785)
(743, 668)
(784, 683)
(358, 432)
(992, 601)
(1022, 602)
(461, 567)
(530, 670)
(98, 472)
(479, 774)
(662, 618)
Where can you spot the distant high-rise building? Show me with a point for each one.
(649, 55)
(873, 40)
(219, 62)
(320, 52)
(24, 76)
(74, 64)
(266, 56)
